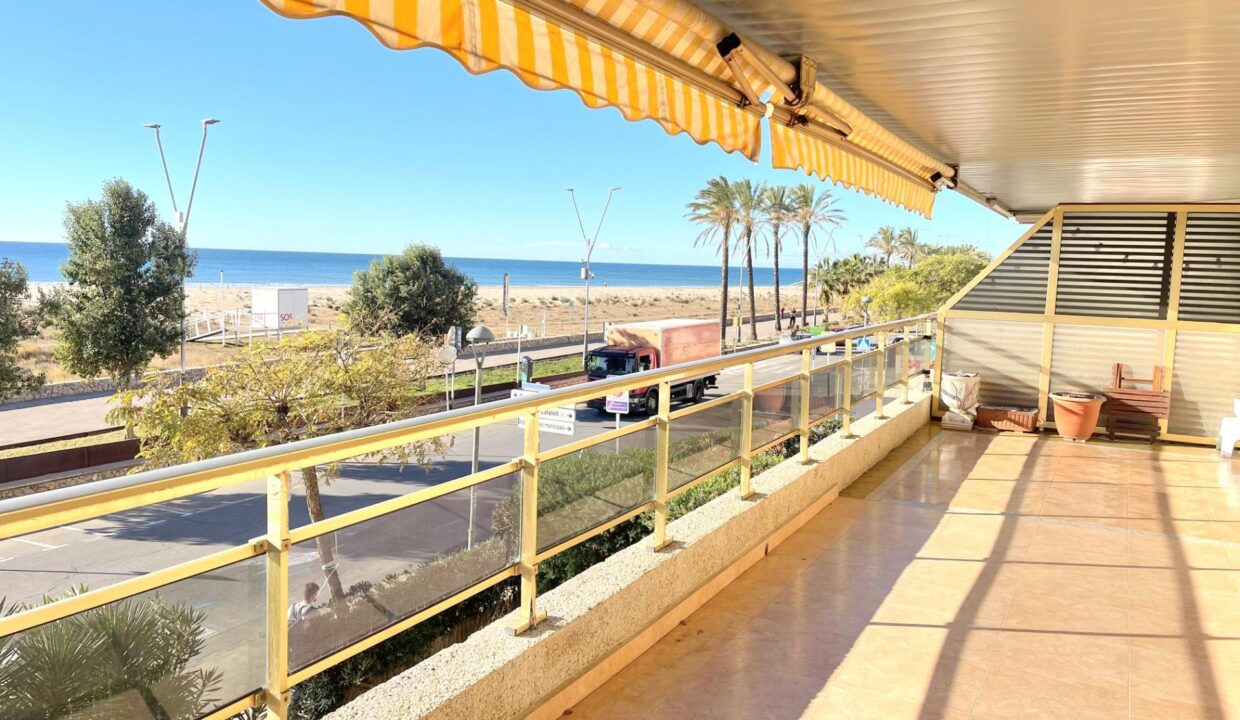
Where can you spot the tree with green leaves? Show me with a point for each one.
(812, 211)
(16, 324)
(304, 386)
(127, 659)
(714, 208)
(885, 241)
(749, 197)
(413, 292)
(776, 212)
(837, 279)
(942, 275)
(908, 246)
(124, 304)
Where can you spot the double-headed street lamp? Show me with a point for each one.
(585, 270)
(479, 335)
(182, 220)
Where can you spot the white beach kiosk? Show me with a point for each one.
(277, 309)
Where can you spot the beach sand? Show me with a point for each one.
(544, 310)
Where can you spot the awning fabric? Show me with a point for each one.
(792, 150)
(486, 35)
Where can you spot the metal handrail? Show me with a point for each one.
(59, 507)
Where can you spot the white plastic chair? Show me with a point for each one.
(1229, 431)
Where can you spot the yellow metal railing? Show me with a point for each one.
(837, 380)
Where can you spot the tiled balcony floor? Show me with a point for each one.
(976, 576)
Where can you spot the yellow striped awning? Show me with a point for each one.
(486, 35)
(793, 150)
(650, 59)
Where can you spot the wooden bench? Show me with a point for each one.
(1135, 411)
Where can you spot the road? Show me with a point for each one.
(115, 547)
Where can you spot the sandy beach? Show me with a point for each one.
(543, 310)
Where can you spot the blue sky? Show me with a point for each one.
(330, 142)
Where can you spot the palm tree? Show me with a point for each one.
(715, 208)
(908, 248)
(776, 210)
(748, 197)
(885, 242)
(809, 211)
(837, 278)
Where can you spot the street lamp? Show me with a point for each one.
(182, 221)
(585, 270)
(479, 335)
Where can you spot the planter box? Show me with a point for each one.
(1007, 418)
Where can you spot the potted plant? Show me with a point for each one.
(1076, 414)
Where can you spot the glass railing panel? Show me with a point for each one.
(894, 362)
(180, 651)
(864, 376)
(704, 441)
(582, 490)
(826, 392)
(919, 355)
(105, 550)
(356, 581)
(776, 412)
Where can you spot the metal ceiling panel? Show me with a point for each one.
(1038, 102)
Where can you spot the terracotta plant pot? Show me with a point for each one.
(1076, 414)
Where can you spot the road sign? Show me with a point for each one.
(618, 402)
(560, 421)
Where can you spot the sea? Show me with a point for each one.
(283, 268)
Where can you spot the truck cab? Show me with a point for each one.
(639, 346)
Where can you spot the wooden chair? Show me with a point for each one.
(1133, 411)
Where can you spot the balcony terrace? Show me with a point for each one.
(975, 576)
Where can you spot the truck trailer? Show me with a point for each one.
(638, 346)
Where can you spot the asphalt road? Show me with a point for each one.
(109, 549)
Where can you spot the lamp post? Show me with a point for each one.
(183, 220)
(479, 335)
(585, 270)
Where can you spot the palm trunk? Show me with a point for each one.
(779, 309)
(314, 504)
(805, 277)
(753, 301)
(723, 287)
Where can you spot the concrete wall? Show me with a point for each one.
(611, 613)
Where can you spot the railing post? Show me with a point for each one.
(846, 430)
(904, 355)
(276, 692)
(663, 432)
(807, 366)
(529, 614)
(882, 376)
(747, 434)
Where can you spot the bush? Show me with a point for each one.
(127, 659)
(414, 292)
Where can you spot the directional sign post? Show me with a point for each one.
(618, 403)
(560, 421)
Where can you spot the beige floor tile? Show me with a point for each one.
(854, 703)
(1078, 542)
(1177, 670)
(999, 496)
(1147, 709)
(979, 536)
(1014, 694)
(1073, 657)
(938, 666)
(1098, 503)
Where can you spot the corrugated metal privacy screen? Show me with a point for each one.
(1006, 354)
(1206, 378)
(1018, 284)
(1117, 271)
(1115, 264)
(1083, 357)
(1210, 287)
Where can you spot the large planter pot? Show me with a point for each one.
(1076, 414)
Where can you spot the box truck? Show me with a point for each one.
(637, 346)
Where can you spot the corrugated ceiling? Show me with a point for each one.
(1038, 102)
